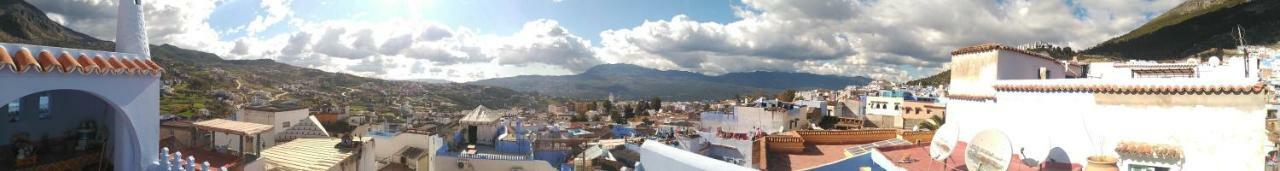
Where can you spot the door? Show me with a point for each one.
(471, 134)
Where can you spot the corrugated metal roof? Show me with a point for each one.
(233, 127)
(306, 154)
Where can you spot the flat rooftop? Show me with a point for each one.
(813, 156)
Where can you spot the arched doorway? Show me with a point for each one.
(62, 130)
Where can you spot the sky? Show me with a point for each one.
(468, 40)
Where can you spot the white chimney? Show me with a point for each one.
(131, 35)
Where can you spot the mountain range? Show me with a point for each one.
(628, 81)
(1197, 26)
(196, 81)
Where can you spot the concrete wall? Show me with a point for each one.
(388, 146)
(748, 119)
(1020, 66)
(973, 73)
(450, 163)
(276, 119)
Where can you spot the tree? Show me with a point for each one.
(642, 106)
(608, 106)
(787, 96)
(933, 123)
(617, 118)
(629, 111)
(657, 103)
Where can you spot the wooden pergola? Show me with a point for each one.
(243, 129)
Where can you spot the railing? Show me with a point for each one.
(175, 162)
(492, 156)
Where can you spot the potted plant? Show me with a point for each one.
(1102, 163)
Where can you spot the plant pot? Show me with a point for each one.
(1102, 163)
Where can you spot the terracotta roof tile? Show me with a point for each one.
(1149, 149)
(25, 61)
(48, 62)
(104, 67)
(22, 60)
(117, 67)
(69, 63)
(87, 66)
(6, 61)
(971, 97)
(996, 46)
(1148, 89)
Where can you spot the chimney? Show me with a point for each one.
(131, 33)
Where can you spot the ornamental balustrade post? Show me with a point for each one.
(164, 158)
(178, 162)
(191, 162)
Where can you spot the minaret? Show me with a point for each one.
(131, 35)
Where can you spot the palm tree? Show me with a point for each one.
(933, 123)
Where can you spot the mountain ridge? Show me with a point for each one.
(629, 81)
(1193, 31)
(197, 81)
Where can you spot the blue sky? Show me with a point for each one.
(468, 40)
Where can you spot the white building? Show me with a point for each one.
(281, 116)
(884, 111)
(1188, 121)
(52, 90)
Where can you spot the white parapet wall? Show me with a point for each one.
(1218, 124)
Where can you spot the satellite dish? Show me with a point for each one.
(988, 151)
(944, 140)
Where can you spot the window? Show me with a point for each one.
(15, 107)
(137, 2)
(286, 124)
(1140, 167)
(44, 106)
(1044, 73)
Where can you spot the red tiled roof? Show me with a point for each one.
(23, 61)
(1149, 149)
(1114, 88)
(970, 97)
(996, 46)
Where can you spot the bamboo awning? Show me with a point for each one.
(233, 127)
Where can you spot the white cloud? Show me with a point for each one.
(180, 23)
(545, 42)
(882, 39)
(276, 11)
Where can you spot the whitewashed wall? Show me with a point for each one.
(1212, 137)
(134, 136)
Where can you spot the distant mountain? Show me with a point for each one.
(196, 80)
(428, 80)
(941, 79)
(635, 82)
(1197, 26)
